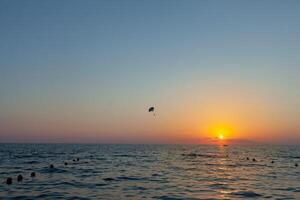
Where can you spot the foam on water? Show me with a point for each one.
(149, 172)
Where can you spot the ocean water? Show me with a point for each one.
(149, 171)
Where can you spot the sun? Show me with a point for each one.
(221, 132)
(221, 136)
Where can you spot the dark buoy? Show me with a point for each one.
(296, 165)
(51, 166)
(253, 159)
(66, 163)
(9, 181)
(32, 174)
(77, 159)
(74, 160)
(272, 161)
(20, 178)
(247, 158)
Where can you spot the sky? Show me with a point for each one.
(87, 71)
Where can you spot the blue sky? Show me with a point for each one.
(94, 66)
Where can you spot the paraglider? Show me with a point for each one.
(151, 109)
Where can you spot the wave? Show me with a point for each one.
(205, 155)
(246, 194)
(128, 178)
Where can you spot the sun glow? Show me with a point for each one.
(221, 137)
(221, 132)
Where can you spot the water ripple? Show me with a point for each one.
(149, 172)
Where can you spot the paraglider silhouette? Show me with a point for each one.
(151, 109)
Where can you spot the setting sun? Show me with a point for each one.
(221, 132)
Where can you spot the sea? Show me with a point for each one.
(167, 172)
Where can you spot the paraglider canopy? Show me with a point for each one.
(151, 109)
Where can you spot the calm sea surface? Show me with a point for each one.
(149, 172)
